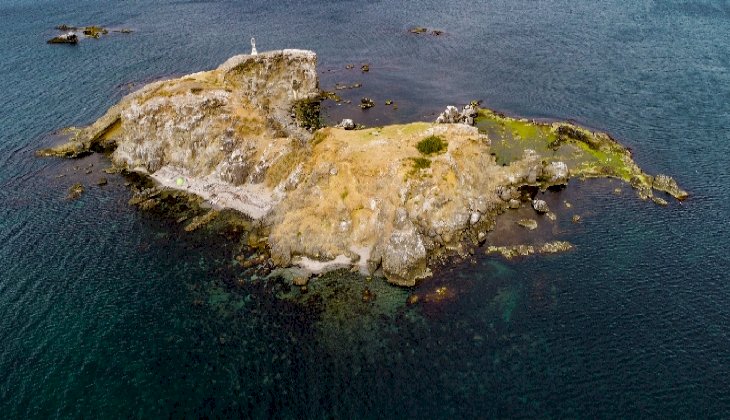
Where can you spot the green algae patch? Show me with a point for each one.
(587, 153)
(604, 163)
(511, 137)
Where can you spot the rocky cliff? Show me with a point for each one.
(394, 198)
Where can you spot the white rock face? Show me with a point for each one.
(540, 206)
(346, 124)
(452, 115)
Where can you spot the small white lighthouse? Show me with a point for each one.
(253, 47)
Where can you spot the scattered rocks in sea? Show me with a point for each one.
(68, 38)
(540, 206)
(350, 66)
(389, 102)
(412, 299)
(366, 103)
(437, 32)
(75, 191)
(365, 68)
(102, 181)
(530, 224)
(452, 115)
(514, 251)
(617, 191)
(346, 124)
(575, 218)
(95, 31)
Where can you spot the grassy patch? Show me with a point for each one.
(307, 113)
(421, 163)
(431, 145)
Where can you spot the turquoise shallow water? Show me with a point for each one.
(109, 312)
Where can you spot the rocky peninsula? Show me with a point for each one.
(247, 136)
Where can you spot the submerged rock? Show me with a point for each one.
(529, 224)
(514, 251)
(75, 191)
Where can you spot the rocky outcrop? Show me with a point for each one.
(67, 38)
(452, 115)
(540, 206)
(669, 185)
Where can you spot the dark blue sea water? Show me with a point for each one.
(106, 311)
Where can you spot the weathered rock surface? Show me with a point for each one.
(452, 115)
(540, 206)
(244, 136)
(669, 185)
(346, 124)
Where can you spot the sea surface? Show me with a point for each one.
(109, 312)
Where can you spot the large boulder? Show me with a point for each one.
(404, 257)
(452, 115)
(540, 206)
(555, 173)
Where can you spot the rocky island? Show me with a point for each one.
(399, 198)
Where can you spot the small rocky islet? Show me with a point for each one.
(396, 200)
